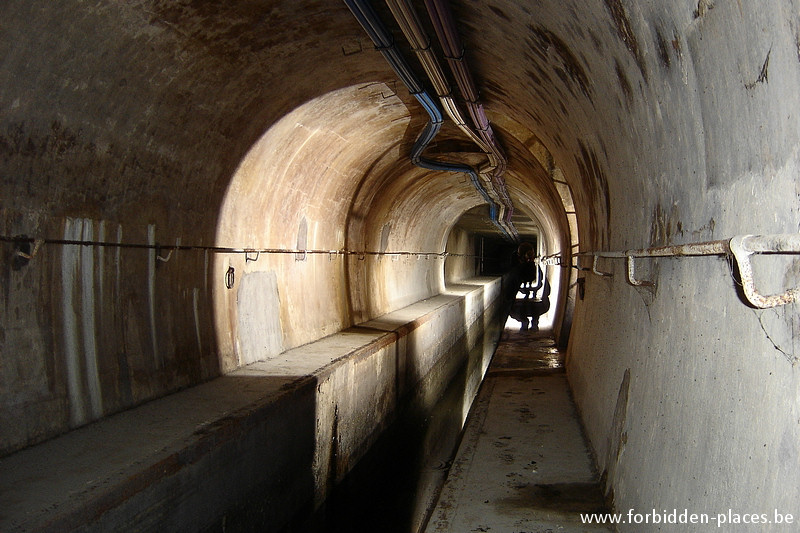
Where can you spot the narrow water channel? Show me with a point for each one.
(395, 486)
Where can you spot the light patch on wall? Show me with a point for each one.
(195, 306)
(78, 287)
(302, 234)
(151, 291)
(258, 305)
(88, 320)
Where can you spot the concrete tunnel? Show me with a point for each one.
(215, 238)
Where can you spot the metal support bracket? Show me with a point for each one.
(632, 275)
(598, 272)
(742, 252)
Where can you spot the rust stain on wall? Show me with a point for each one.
(625, 32)
(544, 42)
(596, 186)
(624, 84)
(663, 49)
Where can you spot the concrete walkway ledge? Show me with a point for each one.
(256, 446)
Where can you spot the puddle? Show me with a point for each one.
(566, 499)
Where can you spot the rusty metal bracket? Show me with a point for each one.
(743, 246)
(632, 275)
(598, 272)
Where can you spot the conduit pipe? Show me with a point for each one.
(740, 247)
(411, 26)
(447, 33)
(407, 19)
(384, 42)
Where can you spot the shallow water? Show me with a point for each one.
(395, 486)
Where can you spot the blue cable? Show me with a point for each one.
(384, 42)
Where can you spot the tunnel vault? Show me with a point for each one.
(333, 177)
(174, 173)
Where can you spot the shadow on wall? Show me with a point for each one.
(414, 453)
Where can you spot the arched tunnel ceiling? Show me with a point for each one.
(130, 125)
(134, 84)
(164, 71)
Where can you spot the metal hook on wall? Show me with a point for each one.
(163, 259)
(23, 254)
(230, 277)
(169, 255)
(742, 252)
(598, 272)
(632, 275)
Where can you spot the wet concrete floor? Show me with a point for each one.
(520, 465)
(523, 465)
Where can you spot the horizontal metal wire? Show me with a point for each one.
(221, 249)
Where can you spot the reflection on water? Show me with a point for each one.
(394, 487)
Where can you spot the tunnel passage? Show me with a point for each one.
(154, 153)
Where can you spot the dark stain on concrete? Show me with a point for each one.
(567, 498)
(703, 7)
(544, 41)
(525, 415)
(665, 225)
(232, 30)
(604, 148)
(624, 84)
(495, 88)
(500, 13)
(598, 44)
(55, 144)
(597, 187)
(617, 437)
(763, 76)
(625, 32)
(663, 49)
(676, 45)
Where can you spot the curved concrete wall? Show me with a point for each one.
(690, 396)
(275, 125)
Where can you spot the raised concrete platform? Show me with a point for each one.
(523, 465)
(254, 447)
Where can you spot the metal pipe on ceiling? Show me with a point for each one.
(384, 42)
(444, 25)
(407, 19)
